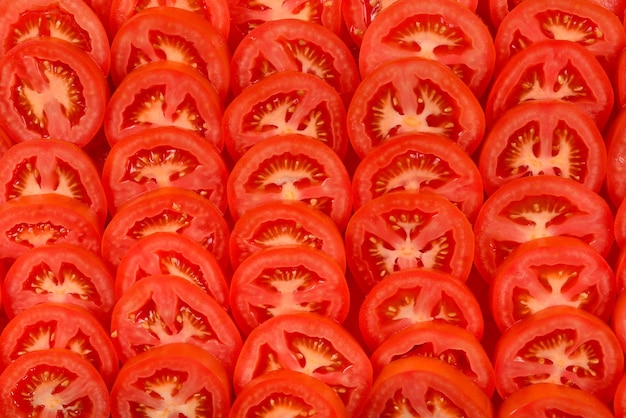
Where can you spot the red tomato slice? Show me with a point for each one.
(175, 254)
(536, 207)
(165, 309)
(42, 166)
(413, 95)
(5, 142)
(442, 30)
(405, 230)
(421, 386)
(616, 158)
(291, 167)
(543, 137)
(446, 342)
(53, 382)
(51, 89)
(280, 280)
(618, 319)
(164, 156)
(61, 273)
(164, 93)
(619, 401)
(285, 223)
(414, 296)
(284, 103)
(187, 380)
(419, 161)
(551, 271)
(59, 325)
(562, 345)
(167, 209)
(311, 344)
(552, 69)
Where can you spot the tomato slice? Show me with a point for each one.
(177, 378)
(616, 159)
(536, 207)
(164, 156)
(405, 230)
(413, 95)
(59, 325)
(618, 319)
(51, 89)
(53, 382)
(619, 401)
(59, 273)
(5, 142)
(442, 30)
(285, 223)
(280, 280)
(562, 345)
(164, 93)
(164, 309)
(291, 167)
(422, 386)
(543, 137)
(284, 103)
(420, 162)
(552, 69)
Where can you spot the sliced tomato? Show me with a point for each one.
(562, 345)
(405, 230)
(616, 158)
(164, 93)
(535, 207)
(61, 273)
(175, 254)
(164, 309)
(413, 95)
(5, 142)
(59, 325)
(619, 401)
(53, 382)
(422, 386)
(51, 89)
(291, 167)
(178, 378)
(414, 296)
(280, 280)
(311, 344)
(284, 103)
(543, 137)
(552, 69)
(618, 319)
(164, 156)
(420, 162)
(442, 30)
(285, 223)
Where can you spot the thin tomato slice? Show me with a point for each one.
(616, 158)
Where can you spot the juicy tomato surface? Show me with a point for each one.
(616, 159)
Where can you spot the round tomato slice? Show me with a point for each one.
(419, 161)
(284, 103)
(413, 95)
(562, 345)
(61, 273)
(442, 30)
(187, 381)
(616, 159)
(164, 93)
(42, 166)
(164, 309)
(618, 320)
(552, 69)
(422, 386)
(414, 296)
(167, 209)
(291, 167)
(175, 254)
(535, 207)
(59, 325)
(619, 401)
(405, 230)
(311, 344)
(53, 382)
(5, 142)
(171, 34)
(51, 89)
(280, 280)
(543, 137)
(285, 223)
(164, 156)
